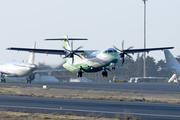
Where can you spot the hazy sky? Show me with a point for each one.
(104, 22)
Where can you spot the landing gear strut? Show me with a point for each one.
(105, 73)
(113, 68)
(2, 78)
(79, 73)
(28, 80)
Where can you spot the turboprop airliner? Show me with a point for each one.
(21, 69)
(90, 60)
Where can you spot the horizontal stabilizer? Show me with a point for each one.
(66, 39)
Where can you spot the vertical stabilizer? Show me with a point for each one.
(172, 63)
(32, 55)
(170, 60)
(66, 42)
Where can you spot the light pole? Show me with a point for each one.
(144, 73)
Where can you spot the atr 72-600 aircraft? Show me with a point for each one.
(91, 60)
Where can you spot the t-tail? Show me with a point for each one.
(171, 62)
(66, 42)
(69, 47)
(32, 55)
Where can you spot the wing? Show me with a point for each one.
(50, 51)
(53, 70)
(145, 50)
(45, 51)
(7, 73)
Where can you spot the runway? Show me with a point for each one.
(148, 111)
(159, 88)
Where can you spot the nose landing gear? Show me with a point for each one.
(79, 73)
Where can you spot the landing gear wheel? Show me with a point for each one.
(3, 80)
(28, 80)
(79, 74)
(113, 68)
(104, 73)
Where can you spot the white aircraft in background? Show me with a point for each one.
(173, 65)
(91, 60)
(21, 69)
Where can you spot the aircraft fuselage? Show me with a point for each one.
(94, 62)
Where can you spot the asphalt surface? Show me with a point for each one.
(146, 111)
(159, 88)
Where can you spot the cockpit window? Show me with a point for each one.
(110, 51)
(114, 51)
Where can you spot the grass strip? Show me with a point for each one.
(89, 94)
(11, 115)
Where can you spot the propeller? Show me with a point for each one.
(122, 52)
(72, 52)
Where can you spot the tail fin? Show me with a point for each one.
(66, 42)
(170, 60)
(32, 55)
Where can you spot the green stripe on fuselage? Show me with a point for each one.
(112, 54)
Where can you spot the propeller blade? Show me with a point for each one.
(130, 48)
(123, 60)
(79, 48)
(72, 60)
(108, 69)
(67, 56)
(72, 45)
(78, 55)
(117, 48)
(128, 55)
(66, 49)
(123, 45)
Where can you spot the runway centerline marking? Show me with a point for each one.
(78, 110)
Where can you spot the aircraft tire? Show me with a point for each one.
(4, 80)
(106, 74)
(79, 74)
(1, 80)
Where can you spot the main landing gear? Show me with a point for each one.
(28, 80)
(113, 68)
(105, 73)
(2, 78)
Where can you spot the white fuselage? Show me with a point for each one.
(94, 62)
(15, 69)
